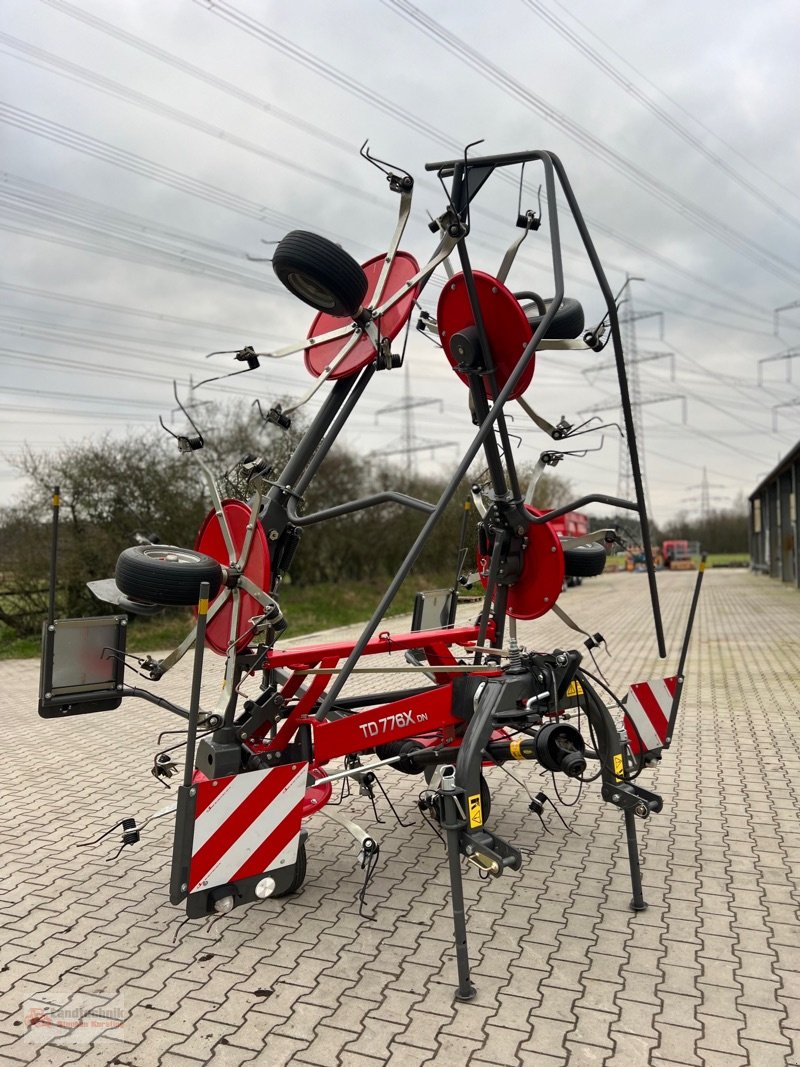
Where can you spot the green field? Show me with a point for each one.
(307, 608)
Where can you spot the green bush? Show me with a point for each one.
(115, 487)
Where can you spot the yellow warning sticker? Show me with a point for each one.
(475, 813)
(619, 766)
(515, 750)
(574, 689)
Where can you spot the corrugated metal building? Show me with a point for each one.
(774, 547)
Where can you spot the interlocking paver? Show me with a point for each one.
(677, 1043)
(201, 1040)
(720, 1000)
(375, 1038)
(403, 1056)
(567, 976)
(630, 1049)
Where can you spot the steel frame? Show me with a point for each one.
(470, 710)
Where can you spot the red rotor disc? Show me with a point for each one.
(507, 328)
(317, 794)
(257, 569)
(317, 357)
(542, 577)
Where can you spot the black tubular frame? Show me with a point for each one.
(462, 192)
(447, 726)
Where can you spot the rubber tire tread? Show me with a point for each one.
(486, 799)
(160, 581)
(568, 321)
(328, 265)
(585, 561)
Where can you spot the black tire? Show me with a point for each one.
(567, 323)
(163, 574)
(320, 273)
(138, 607)
(300, 869)
(585, 561)
(486, 799)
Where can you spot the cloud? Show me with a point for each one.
(729, 74)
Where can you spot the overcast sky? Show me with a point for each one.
(149, 147)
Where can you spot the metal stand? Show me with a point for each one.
(453, 822)
(638, 902)
(673, 715)
(197, 678)
(51, 595)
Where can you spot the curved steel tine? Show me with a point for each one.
(380, 164)
(593, 429)
(220, 377)
(189, 418)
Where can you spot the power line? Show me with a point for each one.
(480, 63)
(120, 157)
(287, 48)
(100, 239)
(12, 355)
(206, 271)
(679, 107)
(709, 303)
(59, 202)
(682, 314)
(710, 437)
(74, 72)
(608, 68)
(122, 309)
(229, 88)
(318, 133)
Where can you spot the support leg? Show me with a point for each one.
(451, 823)
(638, 902)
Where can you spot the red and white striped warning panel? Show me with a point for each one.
(246, 825)
(647, 710)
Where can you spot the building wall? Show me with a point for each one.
(774, 542)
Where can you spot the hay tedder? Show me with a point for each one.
(259, 768)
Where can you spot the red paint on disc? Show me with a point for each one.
(507, 328)
(317, 794)
(257, 569)
(542, 577)
(317, 357)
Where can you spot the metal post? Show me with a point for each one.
(673, 714)
(622, 379)
(452, 822)
(197, 674)
(51, 603)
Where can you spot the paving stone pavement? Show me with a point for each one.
(566, 973)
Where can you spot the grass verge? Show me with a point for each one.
(307, 609)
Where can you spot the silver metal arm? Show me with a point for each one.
(511, 253)
(394, 244)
